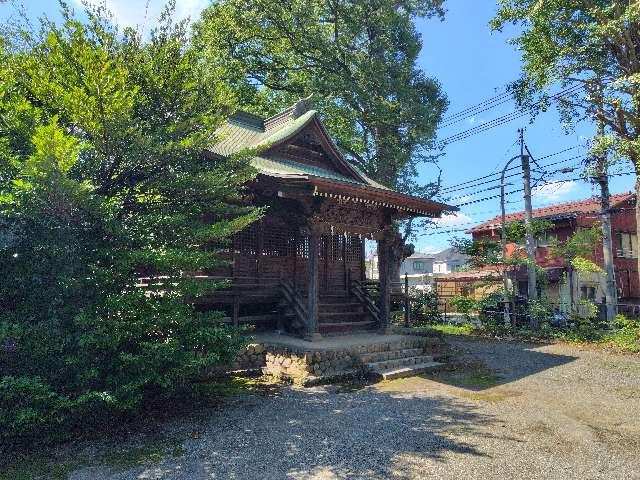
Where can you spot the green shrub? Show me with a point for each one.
(583, 320)
(625, 334)
(463, 304)
(28, 407)
(491, 316)
(424, 307)
(102, 181)
(540, 311)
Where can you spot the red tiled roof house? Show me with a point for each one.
(566, 219)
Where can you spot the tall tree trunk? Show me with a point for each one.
(637, 221)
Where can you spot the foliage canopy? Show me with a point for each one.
(358, 59)
(104, 181)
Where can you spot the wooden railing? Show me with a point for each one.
(297, 306)
(363, 295)
(399, 292)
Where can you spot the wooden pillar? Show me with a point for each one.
(313, 327)
(384, 276)
(236, 310)
(407, 302)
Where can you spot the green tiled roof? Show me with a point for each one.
(246, 131)
(286, 167)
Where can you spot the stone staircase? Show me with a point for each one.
(399, 360)
(338, 313)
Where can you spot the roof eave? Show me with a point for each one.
(390, 198)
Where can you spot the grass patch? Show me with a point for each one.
(492, 396)
(625, 340)
(454, 328)
(465, 375)
(40, 465)
(619, 340)
(146, 454)
(43, 462)
(28, 467)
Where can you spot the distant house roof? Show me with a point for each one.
(476, 274)
(450, 255)
(340, 179)
(559, 211)
(421, 255)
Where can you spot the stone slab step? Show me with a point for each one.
(390, 355)
(345, 324)
(399, 363)
(335, 298)
(340, 307)
(410, 371)
(340, 314)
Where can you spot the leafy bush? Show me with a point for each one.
(106, 182)
(463, 304)
(625, 335)
(491, 315)
(424, 307)
(583, 320)
(540, 311)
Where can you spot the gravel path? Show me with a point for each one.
(546, 412)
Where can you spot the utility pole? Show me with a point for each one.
(532, 290)
(503, 243)
(602, 178)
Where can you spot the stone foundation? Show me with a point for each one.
(308, 363)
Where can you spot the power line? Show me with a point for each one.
(479, 183)
(496, 122)
(464, 111)
(453, 187)
(543, 184)
(445, 232)
(501, 120)
(477, 111)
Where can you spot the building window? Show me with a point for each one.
(627, 245)
(588, 293)
(545, 239)
(418, 266)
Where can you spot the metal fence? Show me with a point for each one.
(561, 314)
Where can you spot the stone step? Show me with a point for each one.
(324, 326)
(340, 315)
(390, 355)
(394, 345)
(409, 371)
(340, 307)
(335, 298)
(399, 363)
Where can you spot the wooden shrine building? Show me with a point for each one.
(301, 267)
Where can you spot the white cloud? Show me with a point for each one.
(143, 13)
(452, 219)
(461, 199)
(555, 191)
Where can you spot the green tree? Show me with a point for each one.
(591, 44)
(103, 181)
(578, 248)
(358, 59)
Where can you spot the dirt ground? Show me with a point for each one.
(500, 410)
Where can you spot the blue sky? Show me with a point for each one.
(472, 64)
